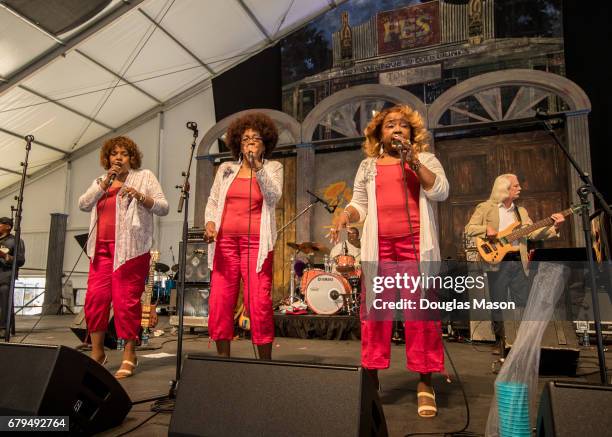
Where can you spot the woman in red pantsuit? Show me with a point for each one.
(122, 203)
(399, 226)
(241, 229)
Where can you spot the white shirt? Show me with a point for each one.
(507, 216)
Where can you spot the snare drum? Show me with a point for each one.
(325, 292)
(345, 263)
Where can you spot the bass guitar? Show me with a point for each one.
(149, 316)
(493, 250)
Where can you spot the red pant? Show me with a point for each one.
(229, 265)
(123, 288)
(424, 353)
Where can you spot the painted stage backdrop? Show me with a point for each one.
(423, 47)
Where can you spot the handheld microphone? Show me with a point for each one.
(398, 143)
(112, 177)
(251, 159)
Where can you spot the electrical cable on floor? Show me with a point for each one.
(139, 425)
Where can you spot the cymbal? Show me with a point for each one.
(309, 247)
(174, 268)
(161, 267)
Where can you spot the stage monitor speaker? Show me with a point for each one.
(218, 396)
(196, 270)
(559, 348)
(569, 409)
(39, 380)
(79, 328)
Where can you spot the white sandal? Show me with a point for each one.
(126, 373)
(423, 408)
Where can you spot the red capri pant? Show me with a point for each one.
(229, 266)
(123, 287)
(424, 353)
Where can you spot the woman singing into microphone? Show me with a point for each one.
(241, 229)
(399, 227)
(122, 203)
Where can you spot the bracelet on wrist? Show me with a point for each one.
(415, 165)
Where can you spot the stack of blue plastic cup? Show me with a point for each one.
(513, 409)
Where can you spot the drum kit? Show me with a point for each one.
(324, 291)
(164, 283)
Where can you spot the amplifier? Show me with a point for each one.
(195, 234)
(196, 306)
(196, 261)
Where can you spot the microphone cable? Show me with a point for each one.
(417, 258)
(248, 286)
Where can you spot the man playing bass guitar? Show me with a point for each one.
(494, 216)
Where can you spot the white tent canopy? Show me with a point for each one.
(127, 63)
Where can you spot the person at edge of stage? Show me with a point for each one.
(390, 234)
(241, 230)
(495, 215)
(7, 256)
(122, 203)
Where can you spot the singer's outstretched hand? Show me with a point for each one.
(342, 223)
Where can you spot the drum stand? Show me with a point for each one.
(292, 296)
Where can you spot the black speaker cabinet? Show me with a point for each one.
(38, 380)
(196, 305)
(569, 410)
(218, 396)
(196, 266)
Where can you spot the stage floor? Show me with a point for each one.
(473, 361)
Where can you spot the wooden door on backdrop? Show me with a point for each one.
(471, 166)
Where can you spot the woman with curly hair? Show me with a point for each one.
(241, 230)
(399, 226)
(122, 203)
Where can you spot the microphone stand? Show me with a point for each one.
(302, 212)
(17, 226)
(183, 201)
(583, 192)
(316, 200)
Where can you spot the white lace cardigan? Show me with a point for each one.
(364, 201)
(270, 180)
(133, 221)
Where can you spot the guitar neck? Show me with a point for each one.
(523, 232)
(148, 292)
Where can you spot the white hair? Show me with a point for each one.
(501, 187)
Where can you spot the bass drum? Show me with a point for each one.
(325, 293)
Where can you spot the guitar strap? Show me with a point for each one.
(516, 213)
